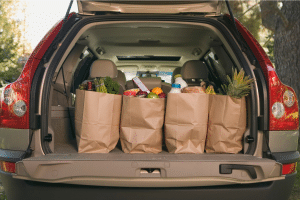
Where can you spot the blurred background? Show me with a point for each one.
(275, 24)
(23, 23)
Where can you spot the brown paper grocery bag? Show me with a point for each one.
(186, 122)
(97, 119)
(227, 124)
(141, 125)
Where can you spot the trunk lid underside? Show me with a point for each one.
(170, 7)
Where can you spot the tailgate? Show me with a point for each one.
(162, 170)
(88, 7)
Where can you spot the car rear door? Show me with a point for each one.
(212, 7)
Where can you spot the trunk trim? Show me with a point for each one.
(151, 182)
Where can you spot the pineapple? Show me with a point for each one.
(239, 86)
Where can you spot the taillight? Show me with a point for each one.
(14, 103)
(283, 103)
(9, 167)
(14, 106)
(289, 168)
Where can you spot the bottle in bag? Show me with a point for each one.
(179, 80)
(175, 88)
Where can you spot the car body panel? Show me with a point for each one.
(283, 141)
(14, 139)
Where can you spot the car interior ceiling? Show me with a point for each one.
(126, 39)
(140, 39)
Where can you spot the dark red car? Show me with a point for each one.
(38, 153)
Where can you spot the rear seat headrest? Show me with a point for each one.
(103, 68)
(194, 69)
(121, 77)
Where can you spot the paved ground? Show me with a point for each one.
(2, 195)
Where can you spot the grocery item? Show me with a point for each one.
(175, 88)
(152, 95)
(83, 86)
(227, 116)
(195, 89)
(227, 124)
(157, 90)
(131, 92)
(141, 94)
(141, 125)
(239, 85)
(186, 122)
(97, 118)
(112, 86)
(162, 95)
(179, 80)
(203, 84)
(103, 85)
(140, 84)
(100, 86)
(210, 90)
(90, 85)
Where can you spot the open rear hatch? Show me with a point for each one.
(212, 7)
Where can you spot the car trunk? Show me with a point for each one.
(158, 36)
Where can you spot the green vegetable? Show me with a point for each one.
(106, 85)
(100, 86)
(111, 86)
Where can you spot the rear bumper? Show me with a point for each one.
(16, 189)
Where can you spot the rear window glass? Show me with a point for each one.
(131, 72)
(151, 58)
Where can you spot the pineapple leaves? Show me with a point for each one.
(239, 85)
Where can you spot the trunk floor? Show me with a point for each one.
(69, 152)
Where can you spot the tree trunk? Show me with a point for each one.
(287, 45)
